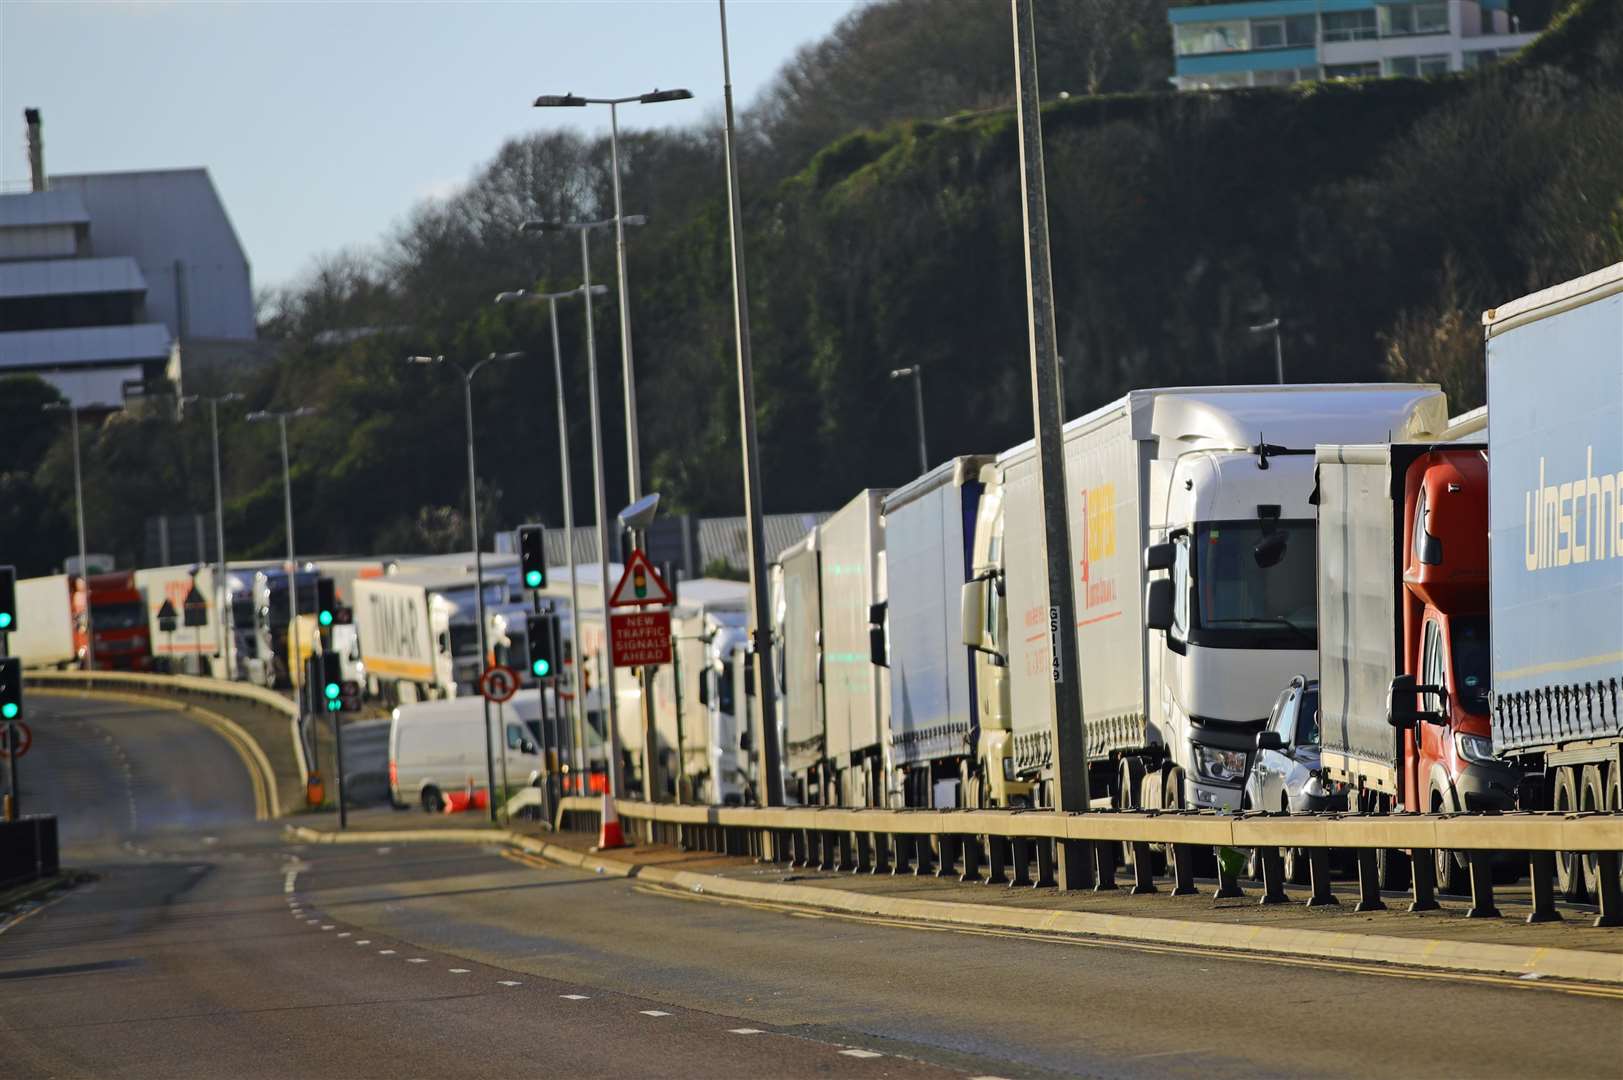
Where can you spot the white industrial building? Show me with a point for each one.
(110, 281)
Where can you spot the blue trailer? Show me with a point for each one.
(1555, 521)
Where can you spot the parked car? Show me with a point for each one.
(1284, 771)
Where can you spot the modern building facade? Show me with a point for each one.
(1280, 42)
(109, 280)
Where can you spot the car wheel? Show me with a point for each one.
(433, 801)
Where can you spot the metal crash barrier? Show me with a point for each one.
(1017, 847)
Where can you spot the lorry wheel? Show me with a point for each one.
(1172, 798)
(1569, 873)
(1592, 798)
(1614, 805)
(1392, 869)
(433, 801)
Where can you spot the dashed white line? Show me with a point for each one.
(654, 1012)
(344, 934)
(576, 997)
(862, 1053)
(363, 941)
(745, 1031)
(508, 982)
(416, 959)
(385, 952)
(327, 926)
(457, 971)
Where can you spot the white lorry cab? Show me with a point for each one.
(1192, 541)
(419, 633)
(437, 747)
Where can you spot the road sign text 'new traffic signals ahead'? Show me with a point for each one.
(642, 638)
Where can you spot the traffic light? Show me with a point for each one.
(8, 599)
(532, 555)
(326, 602)
(332, 687)
(11, 687)
(538, 629)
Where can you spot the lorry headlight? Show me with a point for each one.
(1218, 765)
(1474, 748)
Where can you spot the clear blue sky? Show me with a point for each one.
(324, 123)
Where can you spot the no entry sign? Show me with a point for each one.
(642, 639)
(499, 683)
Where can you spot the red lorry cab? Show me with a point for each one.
(118, 619)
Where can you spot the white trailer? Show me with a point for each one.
(45, 635)
(1192, 534)
(852, 543)
(797, 628)
(708, 626)
(419, 633)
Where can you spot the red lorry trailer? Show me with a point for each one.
(117, 623)
(1403, 634)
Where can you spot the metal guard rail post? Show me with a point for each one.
(1021, 842)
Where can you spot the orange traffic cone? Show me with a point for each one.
(609, 835)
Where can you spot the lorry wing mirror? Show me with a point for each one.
(971, 613)
(1159, 556)
(877, 650)
(1270, 740)
(1403, 703)
(1270, 549)
(1158, 604)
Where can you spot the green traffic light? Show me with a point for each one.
(325, 618)
(9, 710)
(532, 579)
(334, 706)
(542, 667)
(5, 619)
(332, 690)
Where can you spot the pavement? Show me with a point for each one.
(211, 945)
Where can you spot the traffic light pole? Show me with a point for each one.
(14, 794)
(337, 736)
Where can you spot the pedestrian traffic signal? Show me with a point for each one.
(332, 687)
(11, 688)
(532, 555)
(326, 601)
(538, 629)
(8, 599)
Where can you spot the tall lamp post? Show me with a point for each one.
(220, 590)
(79, 512)
(281, 419)
(1279, 350)
(633, 463)
(579, 706)
(478, 554)
(600, 495)
(771, 793)
(917, 372)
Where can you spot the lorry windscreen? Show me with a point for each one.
(1468, 644)
(117, 616)
(464, 641)
(1254, 585)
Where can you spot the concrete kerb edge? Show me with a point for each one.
(1425, 953)
(268, 803)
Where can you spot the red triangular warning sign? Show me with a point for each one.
(640, 584)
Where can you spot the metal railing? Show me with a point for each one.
(1016, 847)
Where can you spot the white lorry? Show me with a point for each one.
(1192, 535)
(46, 628)
(695, 712)
(419, 633)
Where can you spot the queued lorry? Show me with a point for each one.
(50, 634)
(1404, 684)
(695, 701)
(835, 697)
(419, 633)
(1555, 521)
(118, 632)
(1192, 538)
(947, 747)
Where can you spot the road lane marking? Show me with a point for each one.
(745, 1031)
(457, 971)
(327, 926)
(654, 1012)
(508, 982)
(363, 941)
(416, 959)
(862, 1053)
(344, 934)
(385, 952)
(576, 997)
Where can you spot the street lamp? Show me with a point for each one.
(220, 590)
(1279, 352)
(281, 419)
(478, 554)
(653, 97)
(551, 299)
(917, 372)
(600, 495)
(79, 511)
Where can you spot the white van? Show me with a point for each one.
(437, 747)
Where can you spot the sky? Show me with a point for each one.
(324, 123)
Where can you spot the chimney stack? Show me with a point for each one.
(36, 148)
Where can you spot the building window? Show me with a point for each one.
(1225, 81)
(1401, 20)
(1350, 26)
(1195, 39)
(1433, 65)
(1352, 71)
(1482, 58)
(1268, 34)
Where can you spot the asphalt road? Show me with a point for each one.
(225, 950)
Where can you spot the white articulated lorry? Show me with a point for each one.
(798, 629)
(855, 695)
(936, 723)
(419, 633)
(1192, 536)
